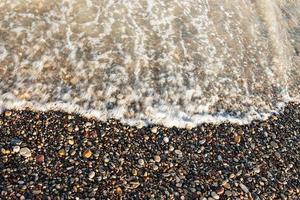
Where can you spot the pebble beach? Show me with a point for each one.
(56, 155)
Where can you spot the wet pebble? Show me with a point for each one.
(40, 158)
(244, 188)
(25, 152)
(92, 175)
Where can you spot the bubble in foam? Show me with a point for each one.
(176, 63)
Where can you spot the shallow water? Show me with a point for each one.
(171, 62)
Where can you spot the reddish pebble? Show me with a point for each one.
(40, 158)
(93, 134)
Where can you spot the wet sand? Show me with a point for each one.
(55, 155)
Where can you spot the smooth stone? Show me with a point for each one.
(166, 140)
(178, 152)
(215, 195)
(157, 158)
(141, 162)
(16, 149)
(8, 113)
(92, 175)
(40, 158)
(154, 129)
(202, 141)
(256, 170)
(25, 152)
(71, 141)
(244, 188)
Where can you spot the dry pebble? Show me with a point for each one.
(69, 157)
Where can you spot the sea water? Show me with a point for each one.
(169, 62)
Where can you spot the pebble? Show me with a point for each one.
(157, 158)
(25, 152)
(202, 141)
(256, 170)
(61, 153)
(92, 175)
(274, 144)
(8, 113)
(154, 129)
(119, 191)
(40, 158)
(16, 141)
(215, 195)
(226, 185)
(141, 162)
(237, 138)
(228, 193)
(155, 167)
(134, 172)
(178, 152)
(244, 188)
(70, 141)
(16, 149)
(166, 140)
(220, 190)
(87, 153)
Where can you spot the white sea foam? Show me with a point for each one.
(171, 62)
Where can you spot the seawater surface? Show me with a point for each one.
(170, 62)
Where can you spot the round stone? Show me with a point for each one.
(256, 170)
(25, 152)
(40, 158)
(166, 139)
(141, 162)
(119, 190)
(71, 141)
(157, 158)
(16, 149)
(8, 113)
(154, 129)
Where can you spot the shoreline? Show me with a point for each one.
(54, 154)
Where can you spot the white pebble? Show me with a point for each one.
(178, 152)
(166, 139)
(16, 149)
(25, 152)
(92, 175)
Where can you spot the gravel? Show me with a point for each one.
(55, 155)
